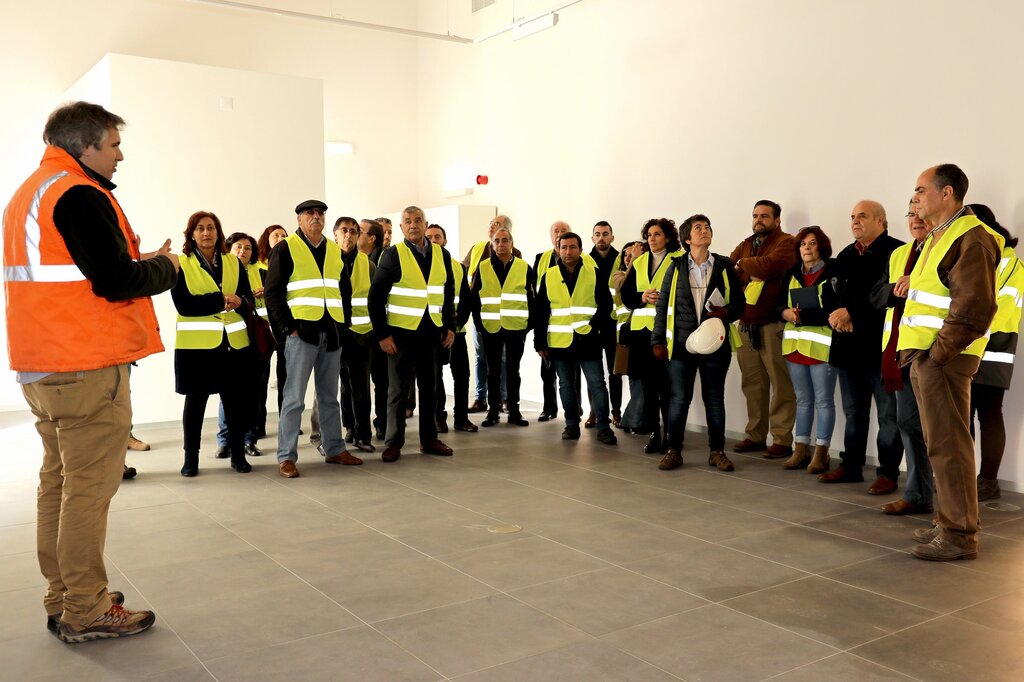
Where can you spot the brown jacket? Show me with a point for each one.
(776, 255)
(969, 271)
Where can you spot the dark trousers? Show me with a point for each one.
(459, 363)
(379, 374)
(653, 373)
(945, 416)
(858, 385)
(512, 344)
(418, 353)
(608, 344)
(261, 398)
(920, 487)
(682, 370)
(987, 403)
(355, 384)
(237, 414)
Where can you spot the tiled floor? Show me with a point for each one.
(620, 572)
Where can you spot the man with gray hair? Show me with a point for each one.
(412, 310)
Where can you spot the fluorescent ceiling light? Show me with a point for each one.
(528, 28)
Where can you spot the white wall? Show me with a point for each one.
(630, 109)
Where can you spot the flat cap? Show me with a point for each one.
(310, 204)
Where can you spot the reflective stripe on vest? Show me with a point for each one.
(360, 275)
(504, 306)
(570, 314)
(411, 296)
(643, 317)
(997, 362)
(310, 291)
(810, 341)
(207, 331)
(897, 265)
(928, 298)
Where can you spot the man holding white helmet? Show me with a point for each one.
(701, 291)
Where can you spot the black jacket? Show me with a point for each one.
(686, 320)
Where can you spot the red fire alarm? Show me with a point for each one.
(481, 179)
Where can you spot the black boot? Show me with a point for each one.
(654, 444)
(191, 466)
(239, 463)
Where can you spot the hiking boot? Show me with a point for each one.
(671, 460)
(718, 459)
(940, 549)
(136, 444)
(53, 620)
(926, 535)
(116, 622)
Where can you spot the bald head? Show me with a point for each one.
(867, 221)
(558, 228)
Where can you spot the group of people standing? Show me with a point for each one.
(927, 330)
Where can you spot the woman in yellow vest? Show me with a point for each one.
(996, 369)
(806, 343)
(640, 292)
(211, 343)
(697, 286)
(271, 237)
(632, 414)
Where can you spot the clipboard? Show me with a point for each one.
(805, 298)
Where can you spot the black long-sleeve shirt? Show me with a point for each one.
(584, 346)
(87, 222)
(389, 273)
(279, 271)
(502, 270)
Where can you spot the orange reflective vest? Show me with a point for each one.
(55, 323)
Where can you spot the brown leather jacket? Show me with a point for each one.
(776, 255)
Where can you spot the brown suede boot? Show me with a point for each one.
(800, 457)
(820, 462)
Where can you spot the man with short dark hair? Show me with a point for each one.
(78, 314)
(412, 308)
(856, 352)
(541, 264)
(569, 299)
(762, 260)
(951, 300)
(607, 259)
(385, 224)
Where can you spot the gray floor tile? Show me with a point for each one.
(829, 612)
(842, 668)
(522, 562)
(806, 549)
(132, 552)
(788, 505)
(20, 571)
(1004, 613)
(478, 634)
(191, 673)
(17, 539)
(583, 662)
(871, 525)
(610, 599)
(702, 644)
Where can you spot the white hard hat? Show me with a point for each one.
(707, 338)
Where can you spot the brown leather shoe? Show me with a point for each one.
(777, 451)
(883, 485)
(717, 458)
(940, 549)
(467, 426)
(343, 457)
(671, 460)
(591, 421)
(747, 445)
(841, 475)
(902, 507)
(436, 448)
(287, 469)
(390, 455)
(477, 406)
(617, 420)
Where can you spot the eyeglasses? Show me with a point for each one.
(348, 230)
(910, 214)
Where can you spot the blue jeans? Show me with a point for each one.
(593, 372)
(480, 369)
(858, 385)
(920, 488)
(815, 388)
(682, 372)
(303, 359)
(222, 429)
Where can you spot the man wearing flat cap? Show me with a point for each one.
(308, 299)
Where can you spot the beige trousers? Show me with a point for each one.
(83, 419)
(771, 402)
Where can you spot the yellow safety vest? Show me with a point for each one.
(475, 254)
(643, 317)
(360, 294)
(504, 306)
(457, 271)
(928, 298)
(543, 265)
(309, 290)
(207, 331)
(570, 314)
(735, 340)
(256, 282)
(411, 295)
(810, 341)
(1002, 345)
(897, 264)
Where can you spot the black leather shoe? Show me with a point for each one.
(490, 421)
(223, 452)
(240, 465)
(252, 451)
(442, 427)
(607, 436)
(379, 434)
(349, 436)
(547, 416)
(365, 446)
(655, 445)
(467, 426)
(517, 420)
(571, 433)
(129, 473)
(191, 466)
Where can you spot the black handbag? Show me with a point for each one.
(261, 338)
